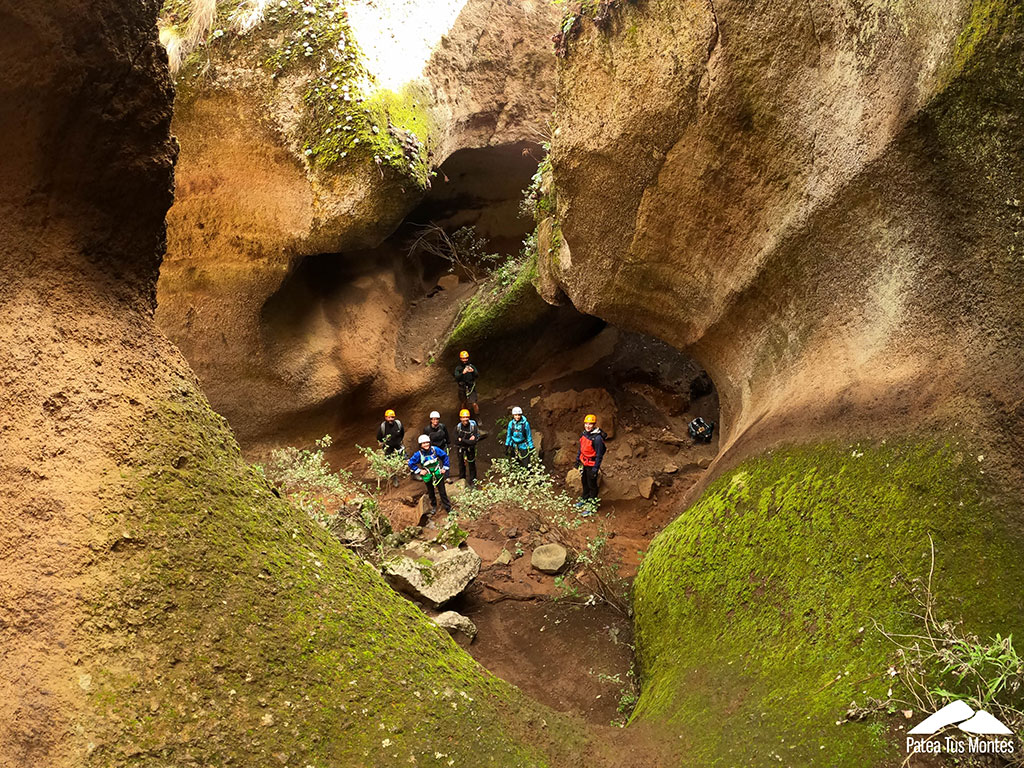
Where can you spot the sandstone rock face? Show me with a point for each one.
(808, 219)
(812, 198)
(139, 550)
(262, 185)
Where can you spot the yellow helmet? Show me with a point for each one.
(463, 414)
(388, 413)
(463, 355)
(590, 419)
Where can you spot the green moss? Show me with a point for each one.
(506, 302)
(984, 20)
(346, 118)
(244, 633)
(755, 609)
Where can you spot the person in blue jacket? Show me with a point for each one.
(430, 464)
(519, 438)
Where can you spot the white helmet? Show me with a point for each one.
(423, 439)
(435, 415)
(517, 411)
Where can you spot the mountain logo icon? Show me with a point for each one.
(979, 723)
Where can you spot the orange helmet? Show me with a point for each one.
(463, 414)
(463, 355)
(590, 419)
(388, 413)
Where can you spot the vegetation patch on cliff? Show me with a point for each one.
(310, 46)
(756, 609)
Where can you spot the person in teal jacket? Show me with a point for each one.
(519, 438)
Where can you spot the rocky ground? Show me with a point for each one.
(537, 626)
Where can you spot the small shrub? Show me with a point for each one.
(305, 478)
(384, 467)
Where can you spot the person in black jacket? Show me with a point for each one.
(465, 376)
(466, 438)
(390, 434)
(438, 434)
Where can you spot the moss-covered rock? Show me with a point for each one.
(758, 609)
(245, 633)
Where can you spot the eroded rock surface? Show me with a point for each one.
(813, 199)
(150, 579)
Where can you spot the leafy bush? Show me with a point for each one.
(305, 478)
(463, 249)
(384, 467)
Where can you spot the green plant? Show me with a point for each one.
(384, 467)
(532, 489)
(628, 694)
(943, 663)
(305, 478)
(451, 534)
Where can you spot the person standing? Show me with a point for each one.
(390, 434)
(466, 438)
(588, 458)
(431, 465)
(466, 375)
(519, 438)
(438, 433)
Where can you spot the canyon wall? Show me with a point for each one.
(281, 161)
(160, 605)
(822, 203)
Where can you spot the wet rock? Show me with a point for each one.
(456, 622)
(549, 558)
(646, 487)
(436, 578)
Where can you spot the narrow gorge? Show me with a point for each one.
(236, 233)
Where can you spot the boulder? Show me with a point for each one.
(348, 531)
(670, 438)
(572, 478)
(646, 487)
(448, 282)
(423, 507)
(617, 488)
(549, 558)
(456, 622)
(435, 578)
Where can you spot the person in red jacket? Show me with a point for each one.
(588, 459)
